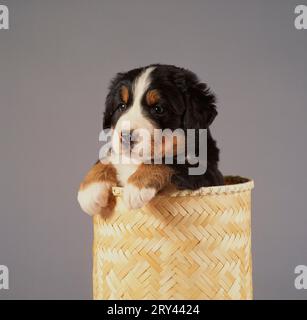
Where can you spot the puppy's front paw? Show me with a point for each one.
(135, 197)
(94, 198)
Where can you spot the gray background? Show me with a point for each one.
(55, 64)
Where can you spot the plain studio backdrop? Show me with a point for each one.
(56, 61)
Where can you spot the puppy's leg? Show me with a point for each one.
(144, 184)
(95, 192)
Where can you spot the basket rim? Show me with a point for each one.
(234, 184)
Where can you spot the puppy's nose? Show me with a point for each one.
(126, 137)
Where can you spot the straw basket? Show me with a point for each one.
(183, 245)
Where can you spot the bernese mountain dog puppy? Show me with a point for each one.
(149, 98)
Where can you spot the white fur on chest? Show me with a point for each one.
(124, 168)
(124, 171)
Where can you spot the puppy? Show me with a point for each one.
(151, 98)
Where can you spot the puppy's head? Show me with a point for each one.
(156, 97)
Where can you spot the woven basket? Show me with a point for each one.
(183, 245)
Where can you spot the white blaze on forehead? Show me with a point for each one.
(134, 115)
(134, 118)
(140, 85)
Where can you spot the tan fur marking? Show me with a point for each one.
(152, 97)
(155, 176)
(124, 92)
(102, 173)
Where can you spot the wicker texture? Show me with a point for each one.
(183, 245)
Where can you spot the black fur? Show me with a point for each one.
(188, 104)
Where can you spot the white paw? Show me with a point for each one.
(135, 198)
(94, 197)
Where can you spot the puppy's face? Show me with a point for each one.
(156, 97)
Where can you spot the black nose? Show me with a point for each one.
(126, 136)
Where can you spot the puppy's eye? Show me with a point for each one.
(158, 109)
(122, 107)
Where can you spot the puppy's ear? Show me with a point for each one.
(201, 109)
(107, 115)
(109, 107)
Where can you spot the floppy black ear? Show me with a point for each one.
(107, 115)
(109, 108)
(201, 109)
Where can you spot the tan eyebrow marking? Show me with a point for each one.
(124, 92)
(152, 97)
